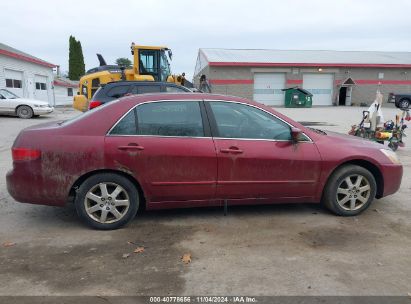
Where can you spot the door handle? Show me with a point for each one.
(131, 146)
(232, 150)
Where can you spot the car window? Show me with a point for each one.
(126, 126)
(118, 91)
(148, 89)
(235, 120)
(171, 118)
(172, 89)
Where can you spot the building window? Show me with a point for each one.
(69, 91)
(41, 86)
(13, 83)
(380, 75)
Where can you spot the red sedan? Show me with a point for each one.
(188, 150)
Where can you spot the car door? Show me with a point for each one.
(167, 146)
(256, 156)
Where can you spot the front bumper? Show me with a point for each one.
(392, 176)
(42, 111)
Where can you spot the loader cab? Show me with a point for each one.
(152, 62)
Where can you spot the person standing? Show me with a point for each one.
(204, 84)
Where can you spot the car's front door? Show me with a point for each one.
(167, 146)
(257, 158)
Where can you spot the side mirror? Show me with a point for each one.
(295, 134)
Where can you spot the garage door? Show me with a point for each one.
(321, 86)
(268, 88)
(41, 90)
(14, 81)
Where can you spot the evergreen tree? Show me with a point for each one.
(125, 62)
(76, 59)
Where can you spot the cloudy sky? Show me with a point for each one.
(42, 27)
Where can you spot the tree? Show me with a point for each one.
(76, 59)
(125, 62)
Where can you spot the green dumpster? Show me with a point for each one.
(298, 98)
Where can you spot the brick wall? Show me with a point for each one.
(364, 91)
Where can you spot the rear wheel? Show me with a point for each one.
(24, 112)
(404, 104)
(350, 190)
(107, 201)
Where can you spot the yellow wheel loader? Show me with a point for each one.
(151, 63)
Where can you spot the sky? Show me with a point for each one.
(42, 27)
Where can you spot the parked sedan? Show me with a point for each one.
(11, 104)
(189, 150)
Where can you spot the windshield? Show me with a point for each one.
(8, 95)
(164, 66)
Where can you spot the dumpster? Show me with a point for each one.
(298, 98)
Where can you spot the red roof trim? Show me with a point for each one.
(351, 65)
(64, 84)
(381, 81)
(300, 81)
(294, 81)
(231, 81)
(26, 58)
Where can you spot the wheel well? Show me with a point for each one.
(370, 167)
(22, 106)
(81, 179)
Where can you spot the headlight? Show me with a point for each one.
(392, 156)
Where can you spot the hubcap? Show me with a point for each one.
(353, 192)
(106, 203)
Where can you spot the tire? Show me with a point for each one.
(348, 199)
(404, 104)
(24, 112)
(107, 201)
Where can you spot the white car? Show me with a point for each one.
(11, 104)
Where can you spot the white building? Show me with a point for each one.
(25, 75)
(64, 90)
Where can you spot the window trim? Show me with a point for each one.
(214, 130)
(204, 118)
(208, 121)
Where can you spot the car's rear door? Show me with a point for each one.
(256, 157)
(168, 147)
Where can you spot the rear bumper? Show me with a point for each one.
(28, 188)
(392, 175)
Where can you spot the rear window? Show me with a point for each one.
(118, 91)
(172, 89)
(148, 89)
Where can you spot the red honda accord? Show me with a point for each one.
(188, 150)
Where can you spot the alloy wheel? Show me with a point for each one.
(353, 192)
(107, 203)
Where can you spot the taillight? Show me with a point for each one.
(94, 104)
(25, 154)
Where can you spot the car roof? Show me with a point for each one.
(125, 82)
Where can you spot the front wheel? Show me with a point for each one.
(25, 112)
(107, 201)
(350, 190)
